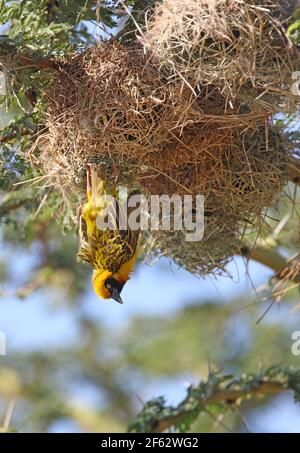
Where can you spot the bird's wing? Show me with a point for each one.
(85, 252)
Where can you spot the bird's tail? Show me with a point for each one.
(95, 184)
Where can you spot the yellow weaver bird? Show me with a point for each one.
(111, 252)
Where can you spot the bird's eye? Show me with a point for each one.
(108, 286)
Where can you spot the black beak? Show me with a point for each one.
(115, 294)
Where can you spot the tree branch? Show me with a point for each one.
(38, 62)
(294, 170)
(11, 205)
(218, 389)
(272, 259)
(10, 53)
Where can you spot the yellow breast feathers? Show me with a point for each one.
(111, 251)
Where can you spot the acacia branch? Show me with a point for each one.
(272, 259)
(21, 60)
(41, 63)
(294, 170)
(13, 205)
(228, 397)
(11, 56)
(218, 389)
(13, 134)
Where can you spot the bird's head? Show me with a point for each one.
(108, 285)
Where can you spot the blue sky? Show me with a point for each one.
(147, 293)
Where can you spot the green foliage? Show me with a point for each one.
(38, 31)
(51, 27)
(294, 28)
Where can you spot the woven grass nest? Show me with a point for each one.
(108, 96)
(240, 46)
(121, 108)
